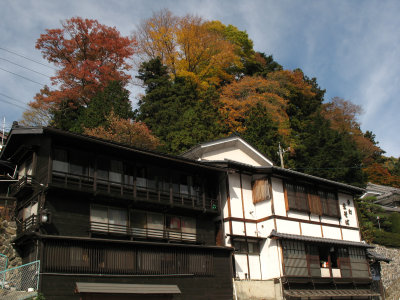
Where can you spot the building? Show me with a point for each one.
(108, 221)
(386, 196)
(295, 236)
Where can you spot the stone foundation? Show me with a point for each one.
(8, 230)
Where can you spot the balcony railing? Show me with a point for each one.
(133, 191)
(23, 183)
(29, 224)
(143, 233)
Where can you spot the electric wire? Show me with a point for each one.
(12, 52)
(11, 98)
(11, 62)
(26, 78)
(11, 103)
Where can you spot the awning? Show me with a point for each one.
(331, 293)
(306, 238)
(120, 288)
(377, 257)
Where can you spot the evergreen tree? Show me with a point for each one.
(176, 110)
(262, 132)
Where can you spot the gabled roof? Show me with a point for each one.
(233, 141)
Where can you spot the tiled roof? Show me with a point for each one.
(331, 293)
(306, 238)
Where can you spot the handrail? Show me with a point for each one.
(135, 191)
(25, 180)
(146, 233)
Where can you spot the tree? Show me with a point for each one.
(89, 55)
(262, 132)
(125, 131)
(176, 111)
(239, 97)
(71, 116)
(327, 153)
(189, 47)
(36, 117)
(343, 115)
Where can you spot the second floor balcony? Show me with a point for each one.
(139, 189)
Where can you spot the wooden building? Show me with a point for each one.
(108, 221)
(295, 236)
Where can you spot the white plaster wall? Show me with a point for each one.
(237, 228)
(262, 209)
(346, 199)
(270, 260)
(241, 265)
(249, 209)
(254, 263)
(231, 154)
(279, 197)
(329, 220)
(286, 226)
(311, 229)
(298, 215)
(251, 229)
(235, 195)
(351, 235)
(265, 228)
(331, 232)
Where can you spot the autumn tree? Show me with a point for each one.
(175, 110)
(239, 97)
(125, 131)
(88, 56)
(343, 115)
(190, 47)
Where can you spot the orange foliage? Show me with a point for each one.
(125, 131)
(379, 174)
(88, 54)
(273, 92)
(188, 47)
(343, 115)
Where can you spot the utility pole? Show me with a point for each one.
(2, 136)
(281, 155)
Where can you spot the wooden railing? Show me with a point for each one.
(133, 191)
(29, 224)
(122, 259)
(25, 181)
(143, 233)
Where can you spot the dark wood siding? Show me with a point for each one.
(218, 286)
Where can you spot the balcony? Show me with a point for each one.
(134, 191)
(27, 225)
(143, 233)
(23, 185)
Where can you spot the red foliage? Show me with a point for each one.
(88, 54)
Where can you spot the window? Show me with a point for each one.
(105, 219)
(115, 171)
(311, 199)
(60, 160)
(25, 169)
(261, 190)
(246, 247)
(319, 260)
(297, 197)
(329, 203)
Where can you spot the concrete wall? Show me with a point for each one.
(257, 290)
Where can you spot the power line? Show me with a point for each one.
(20, 101)
(28, 59)
(11, 103)
(26, 78)
(11, 62)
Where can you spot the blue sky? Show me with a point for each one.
(351, 47)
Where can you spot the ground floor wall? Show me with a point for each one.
(62, 287)
(257, 289)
